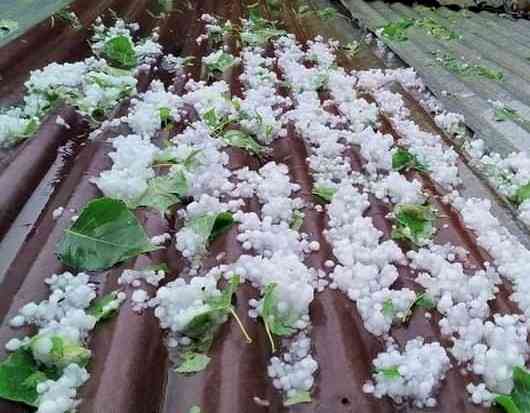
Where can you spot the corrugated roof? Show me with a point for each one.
(491, 40)
(131, 371)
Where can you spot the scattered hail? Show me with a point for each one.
(324, 106)
(93, 86)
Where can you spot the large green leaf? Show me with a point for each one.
(518, 401)
(19, 376)
(119, 52)
(162, 192)
(105, 234)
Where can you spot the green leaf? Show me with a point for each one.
(64, 351)
(391, 373)
(195, 409)
(351, 49)
(104, 307)
(166, 157)
(507, 403)
(215, 123)
(279, 324)
(260, 36)
(467, 70)
(299, 397)
(211, 226)
(403, 160)
(323, 192)
(162, 192)
(518, 401)
(388, 308)
(522, 194)
(435, 29)
(105, 234)
(413, 223)
(193, 363)
(165, 117)
(224, 301)
(424, 301)
(397, 31)
(298, 220)
(31, 128)
(202, 327)
(68, 17)
(505, 113)
(223, 221)
(119, 51)
(240, 139)
(19, 376)
(222, 63)
(210, 118)
(327, 13)
(421, 301)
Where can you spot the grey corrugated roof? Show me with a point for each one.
(488, 39)
(27, 13)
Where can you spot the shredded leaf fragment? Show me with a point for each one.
(414, 223)
(104, 307)
(324, 192)
(299, 397)
(193, 363)
(396, 31)
(242, 140)
(119, 52)
(522, 194)
(391, 373)
(467, 70)
(403, 160)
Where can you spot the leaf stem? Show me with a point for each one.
(267, 329)
(161, 165)
(241, 326)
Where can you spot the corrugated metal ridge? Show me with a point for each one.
(488, 39)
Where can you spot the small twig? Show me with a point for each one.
(247, 337)
(270, 336)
